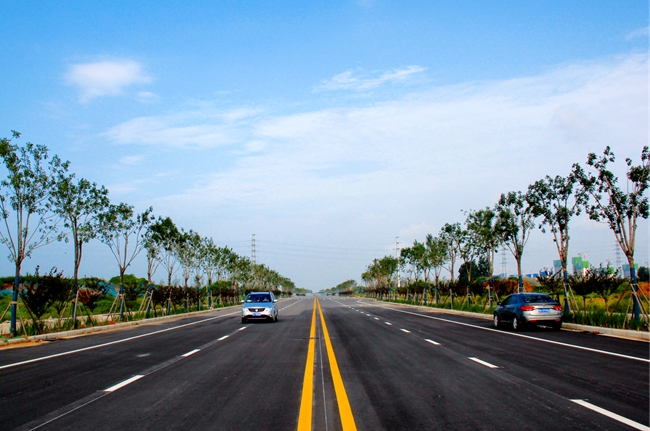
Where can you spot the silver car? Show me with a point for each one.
(259, 306)
(523, 309)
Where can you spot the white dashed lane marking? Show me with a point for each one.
(124, 383)
(479, 361)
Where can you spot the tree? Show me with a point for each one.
(452, 235)
(515, 220)
(643, 274)
(162, 239)
(556, 201)
(122, 231)
(619, 210)
(79, 204)
(483, 229)
(24, 199)
(436, 257)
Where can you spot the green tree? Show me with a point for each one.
(556, 201)
(25, 204)
(515, 221)
(123, 232)
(482, 226)
(452, 235)
(618, 209)
(79, 204)
(161, 241)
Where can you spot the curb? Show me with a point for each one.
(612, 332)
(92, 329)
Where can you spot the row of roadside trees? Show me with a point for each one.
(42, 201)
(549, 204)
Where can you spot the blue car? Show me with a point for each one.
(259, 306)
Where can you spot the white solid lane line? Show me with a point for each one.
(124, 383)
(405, 330)
(223, 338)
(242, 328)
(487, 364)
(432, 342)
(614, 416)
(191, 353)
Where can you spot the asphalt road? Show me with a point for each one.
(396, 368)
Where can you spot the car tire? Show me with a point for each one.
(243, 320)
(557, 326)
(517, 324)
(497, 321)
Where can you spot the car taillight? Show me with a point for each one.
(557, 307)
(527, 308)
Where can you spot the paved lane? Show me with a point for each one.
(400, 369)
(434, 383)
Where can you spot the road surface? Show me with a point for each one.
(332, 364)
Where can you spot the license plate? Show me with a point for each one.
(256, 314)
(544, 310)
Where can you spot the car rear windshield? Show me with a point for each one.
(258, 298)
(538, 298)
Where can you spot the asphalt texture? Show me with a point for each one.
(403, 369)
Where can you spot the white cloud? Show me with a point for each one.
(105, 78)
(640, 32)
(147, 97)
(404, 166)
(131, 160)
(350, 80)
(198, 128)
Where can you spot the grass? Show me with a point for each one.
(29, 328)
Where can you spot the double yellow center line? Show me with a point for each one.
(345, 412)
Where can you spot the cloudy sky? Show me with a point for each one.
(327, 129)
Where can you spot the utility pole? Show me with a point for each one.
(254, 261)
(397, 256)
(253, 255)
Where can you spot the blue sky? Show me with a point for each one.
(325, 128)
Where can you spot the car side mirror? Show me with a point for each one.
(243, 300)
(275, 300)
(499, 303)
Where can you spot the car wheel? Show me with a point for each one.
(557, 326)
(517, 325)
(243, 320)
(497, 321)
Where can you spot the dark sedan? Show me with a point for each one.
(524, 309)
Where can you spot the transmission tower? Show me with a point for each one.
(253, 254)
(617, 250)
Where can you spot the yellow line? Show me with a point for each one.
(347, 420)
(304, 419)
